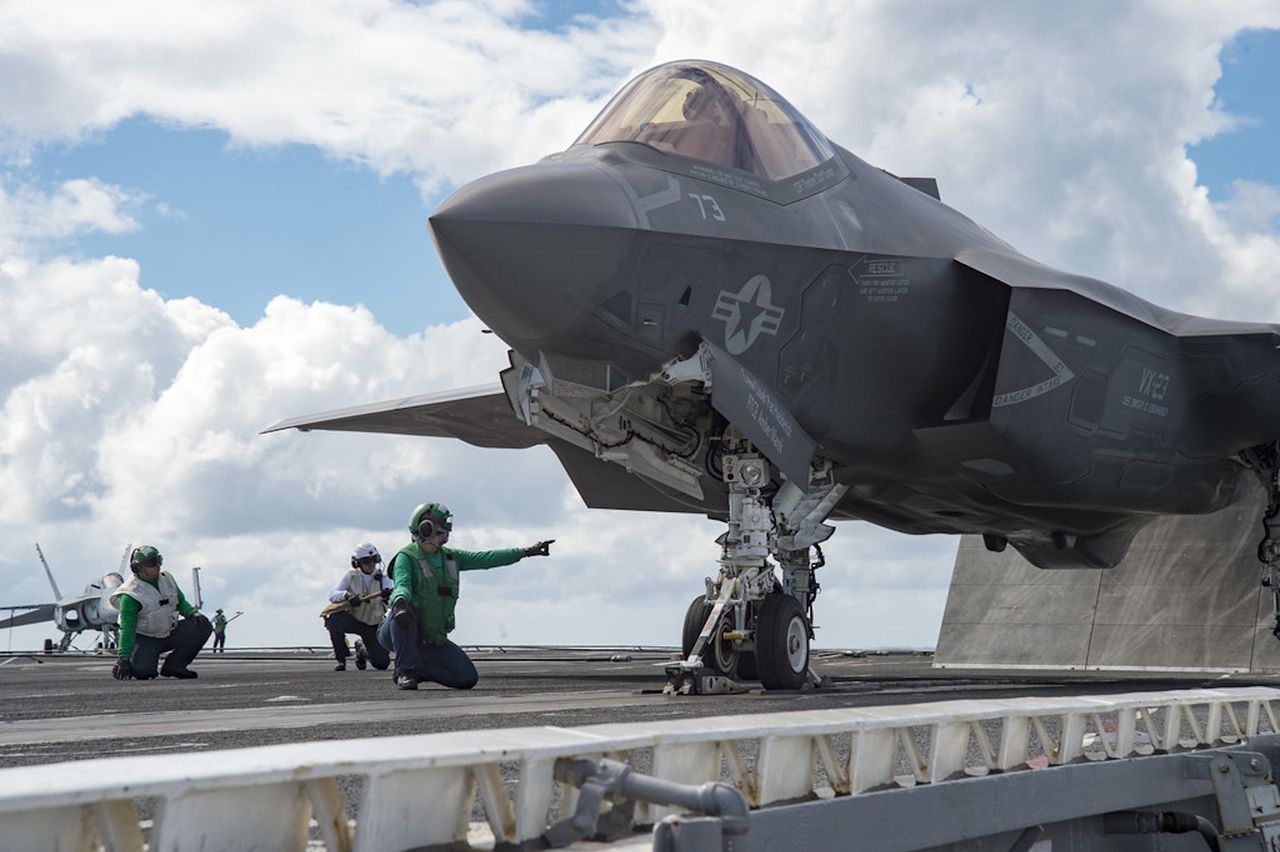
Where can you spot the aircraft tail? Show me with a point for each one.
(57, 595)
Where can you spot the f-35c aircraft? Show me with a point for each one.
(713, 309)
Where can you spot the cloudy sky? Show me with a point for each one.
(212, 217)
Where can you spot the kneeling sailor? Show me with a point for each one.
(356, 606)
(149, 604)
(425, 573)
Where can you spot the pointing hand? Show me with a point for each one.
(542, 548)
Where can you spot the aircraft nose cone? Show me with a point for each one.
(529, 248)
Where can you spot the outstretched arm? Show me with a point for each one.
(478, 560)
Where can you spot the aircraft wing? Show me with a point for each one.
(479, 415)
(37, 613)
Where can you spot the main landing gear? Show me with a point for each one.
(752, 624)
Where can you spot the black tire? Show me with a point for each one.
(694, 617)
(747, 666)
(782, 643)
(717, 656)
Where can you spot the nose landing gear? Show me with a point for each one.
(750, 624)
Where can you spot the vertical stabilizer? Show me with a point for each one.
(196, 600)
(57, 595)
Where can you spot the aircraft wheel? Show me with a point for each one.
(747, 666)
(782, 643)
(719, 655)
(694, 617)
(48, 646)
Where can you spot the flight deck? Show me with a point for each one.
(67, 707)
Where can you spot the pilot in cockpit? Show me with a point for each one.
(707, 103)
(713, 125)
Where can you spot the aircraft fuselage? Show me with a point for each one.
(958, 385)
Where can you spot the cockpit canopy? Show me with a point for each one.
(712, 113)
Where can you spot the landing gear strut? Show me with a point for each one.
(750, 624)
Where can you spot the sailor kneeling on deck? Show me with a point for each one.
(356, 605)
(425, 573)
(149, 604)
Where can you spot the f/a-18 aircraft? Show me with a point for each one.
(711, 308)
(73, 614)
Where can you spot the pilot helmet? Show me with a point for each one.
(144, 555)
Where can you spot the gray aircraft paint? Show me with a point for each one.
(909, 343)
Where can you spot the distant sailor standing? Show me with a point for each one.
(219, 633)
(149, 604)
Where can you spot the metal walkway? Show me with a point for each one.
(425, 791)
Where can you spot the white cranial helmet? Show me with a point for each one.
(364, 551)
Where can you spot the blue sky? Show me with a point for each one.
(1248, 89)
(241, 225)
(276, 163)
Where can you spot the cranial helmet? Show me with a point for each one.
(145, 555)
(364, 551)
(429, 519)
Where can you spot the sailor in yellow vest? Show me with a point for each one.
(425, 574)
(356, 606)
(149, 604)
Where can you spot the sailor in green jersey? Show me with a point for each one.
(425, 573)
(149, 604)
(219, 633)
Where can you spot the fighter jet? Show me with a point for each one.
(711, 308)
(72, 615)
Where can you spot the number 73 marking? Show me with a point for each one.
(707, 205)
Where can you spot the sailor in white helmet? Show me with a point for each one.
(356, 606)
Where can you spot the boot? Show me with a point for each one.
(341, 666)
(172, 669)
(361, 657)
(407, 681)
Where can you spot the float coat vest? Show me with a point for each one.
(159, 612)
(435, 591)
(369, 612)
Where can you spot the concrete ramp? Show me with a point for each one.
(1187, 597)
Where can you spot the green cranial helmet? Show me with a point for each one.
(145, 555)
(430, 518)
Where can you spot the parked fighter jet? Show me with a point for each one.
(711, 308)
